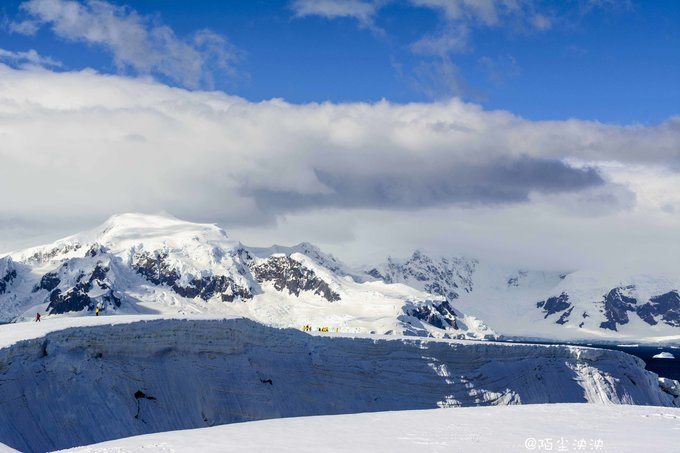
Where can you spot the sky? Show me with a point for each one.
(540, 133)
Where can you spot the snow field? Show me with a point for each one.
(503, 429)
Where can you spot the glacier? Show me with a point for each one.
(74, 381)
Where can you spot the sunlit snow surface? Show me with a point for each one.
(574, 427)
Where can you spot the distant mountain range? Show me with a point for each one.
(153, 264)
(577, 305)
(137, 263)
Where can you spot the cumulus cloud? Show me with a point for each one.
(136, 42)
(80, 146)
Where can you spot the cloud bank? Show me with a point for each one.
(80, 146)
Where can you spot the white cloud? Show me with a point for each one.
(491, 13)
(27, 58)
(452, 39)
(79, 146)
(136, 42)
(440, 79)
(486, 11)
(363, 11)
(437, 75)
(26, 27)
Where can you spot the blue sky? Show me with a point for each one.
(609, 61)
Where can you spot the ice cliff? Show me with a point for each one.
(88, 384)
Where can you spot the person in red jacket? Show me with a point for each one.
(37, 317)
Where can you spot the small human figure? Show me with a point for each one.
(37, 317)
(96, 311)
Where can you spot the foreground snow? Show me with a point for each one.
(86, 383)
(554, 427)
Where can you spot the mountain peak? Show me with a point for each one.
(137, 226)
(136, 220)
(130, 231)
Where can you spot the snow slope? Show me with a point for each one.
(89, 383)
(148, 264)
(588, 304)
(583, 305)
(560, 427)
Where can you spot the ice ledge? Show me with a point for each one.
(105, 378)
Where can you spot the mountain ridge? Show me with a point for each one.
(135, 263)
(158, 263)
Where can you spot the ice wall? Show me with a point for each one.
(89, 384)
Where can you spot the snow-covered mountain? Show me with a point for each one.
(580, 305)
(626, 304)
(447, 277)
(146, 264)
(158, 264)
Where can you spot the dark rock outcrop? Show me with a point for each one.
(446, 277)
(78, 298)
(6, 279)
(286, 273)
(666, 306)
(208, 287)
(41, 257)
(156, 269)
(554, 305)
(440, 315)
(48, 282)
(616, 306)
(565, 316)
